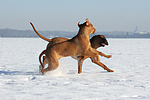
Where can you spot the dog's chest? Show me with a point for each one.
(75, 57)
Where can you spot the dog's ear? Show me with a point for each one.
(87, 22)
(102, 36)
(79, 24)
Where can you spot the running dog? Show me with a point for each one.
(96, 41)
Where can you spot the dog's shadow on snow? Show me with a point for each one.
(70, 72)
(18, 73)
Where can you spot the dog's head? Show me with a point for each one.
(88, 26)
(98, 41)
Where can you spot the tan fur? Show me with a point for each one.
(79, 58)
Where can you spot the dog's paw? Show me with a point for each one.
(108, 56)
(110, 70)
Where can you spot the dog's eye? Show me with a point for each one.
(102, 36)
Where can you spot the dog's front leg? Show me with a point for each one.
(101, 64)
(92, 53)
(102, 54)
(80, 63)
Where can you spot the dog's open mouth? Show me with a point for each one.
(103, 44)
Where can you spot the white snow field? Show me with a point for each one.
(20, 78)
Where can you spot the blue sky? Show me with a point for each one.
(63, 15)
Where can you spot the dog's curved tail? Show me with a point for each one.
(43, 52)
(44, 38)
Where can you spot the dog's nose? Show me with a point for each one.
(106, 43)
(94, 30)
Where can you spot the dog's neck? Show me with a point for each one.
(84, 32)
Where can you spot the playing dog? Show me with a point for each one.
(96, 42)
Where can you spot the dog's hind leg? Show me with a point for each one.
(44, 63)
(50, 67)
(101, 64)
(53, 63)
(43, 52)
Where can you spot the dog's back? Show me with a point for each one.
(77, 46)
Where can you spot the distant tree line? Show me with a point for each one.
(50, 34)
(31, 33)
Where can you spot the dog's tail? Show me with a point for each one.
(43, 52)
(44, 38)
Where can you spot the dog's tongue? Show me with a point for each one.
(103, 44)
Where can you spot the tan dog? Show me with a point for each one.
(77, 46)
(96, 41)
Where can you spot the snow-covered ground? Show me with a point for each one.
(20, 78)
